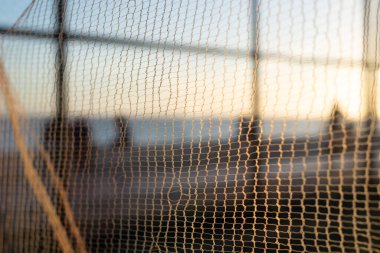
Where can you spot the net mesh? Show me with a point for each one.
(190, 126)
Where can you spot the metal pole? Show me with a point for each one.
(255, 117)
(255, 58)
(371, 53)
(371, 49)
(59, 127)
(61, 88)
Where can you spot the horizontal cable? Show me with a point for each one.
(227, 52)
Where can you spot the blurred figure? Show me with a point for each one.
(249, 137)
(81, 143)
(122, 133)
(336, 129)
(68, 143)
(56, 142)
(340, 132)
(69, 146)
(244, 129)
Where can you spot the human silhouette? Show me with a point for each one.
(340, 131)
(81, 143)
(122, 133)
(56, 142)
(68, 144)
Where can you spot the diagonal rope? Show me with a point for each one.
(69, 215)
(30, 173)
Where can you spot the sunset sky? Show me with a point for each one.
(310, 53)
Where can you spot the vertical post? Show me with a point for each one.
(61, 96)
(255, 117)
(371, 53)
(255, 58)
(250, 132)
(371, 50)
(59, 127)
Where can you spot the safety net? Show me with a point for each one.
(189, 126)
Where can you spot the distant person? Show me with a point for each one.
(56, 143)
(122, 138)
(248, 130)
(81, 142)
(68, 143)
(340, 133)
(244, 129)
(248, 138)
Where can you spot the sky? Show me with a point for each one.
(310, 53)
(11, 10)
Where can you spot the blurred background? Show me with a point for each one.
(188, 126)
